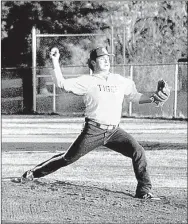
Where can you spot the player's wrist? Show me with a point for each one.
(152, 98)
(145, 99)
(55, 63)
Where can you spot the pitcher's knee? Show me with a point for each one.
(139, 153)
(69, 160)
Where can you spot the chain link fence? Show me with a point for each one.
(29, 90)
(16, 90)
(17, 95)
(146, 78)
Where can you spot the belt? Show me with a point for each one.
(98, 125)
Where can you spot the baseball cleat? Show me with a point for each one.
(26, 177)
(148, 196)
(16, 180)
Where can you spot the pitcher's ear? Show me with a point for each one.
(91, 64)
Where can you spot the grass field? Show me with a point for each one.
(100, 187)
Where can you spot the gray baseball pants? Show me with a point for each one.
(92, 137)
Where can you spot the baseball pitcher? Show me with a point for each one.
(103, 94)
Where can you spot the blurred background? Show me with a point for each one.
(149, 40)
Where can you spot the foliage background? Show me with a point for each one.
(156, 31)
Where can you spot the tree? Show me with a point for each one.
(49, 17)
(155, 31)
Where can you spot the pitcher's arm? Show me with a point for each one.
(145, 99)
(57, 75)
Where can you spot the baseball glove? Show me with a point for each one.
(162, 94)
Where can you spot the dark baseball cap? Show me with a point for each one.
(99, 51)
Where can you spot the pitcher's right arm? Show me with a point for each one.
(57, 75)
(78, 85)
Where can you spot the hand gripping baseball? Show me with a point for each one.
(162, 94)
(54, 53)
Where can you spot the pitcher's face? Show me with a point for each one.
(102, 63)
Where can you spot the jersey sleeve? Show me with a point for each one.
(78, 86)
(131, 91)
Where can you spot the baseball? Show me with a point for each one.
(54, 50)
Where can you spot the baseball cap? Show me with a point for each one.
(99, 51)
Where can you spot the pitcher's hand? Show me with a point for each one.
(54, 54)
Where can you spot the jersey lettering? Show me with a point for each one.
(104, 88)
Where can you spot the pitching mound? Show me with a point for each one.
(47, 201)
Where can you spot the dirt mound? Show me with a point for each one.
(48, 201)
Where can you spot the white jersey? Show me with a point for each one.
(103, 98)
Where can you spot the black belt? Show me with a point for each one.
(98, 125)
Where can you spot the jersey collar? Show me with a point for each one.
(102, 76)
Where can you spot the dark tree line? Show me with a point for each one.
(155, 31)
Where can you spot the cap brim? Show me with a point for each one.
(106, 54)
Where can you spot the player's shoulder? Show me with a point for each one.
(116, 75)
(85, 77)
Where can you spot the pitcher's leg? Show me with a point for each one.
(85, 142)
(122, 142)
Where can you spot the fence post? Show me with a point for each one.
(112, 46)
(175, 91)
(124, 50)
(34, 47)
(54, 98)
(130, 103)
